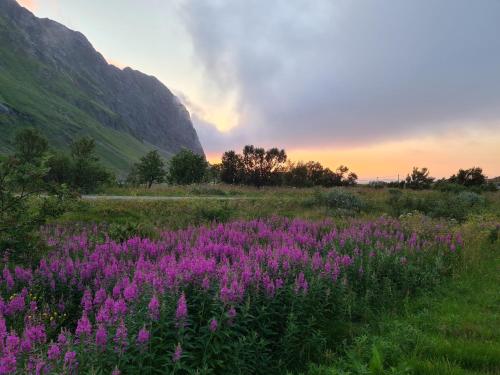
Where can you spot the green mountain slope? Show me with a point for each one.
(66, 89)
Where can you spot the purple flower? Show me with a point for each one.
(70, 358)
(61, 339)
(143, 336)
(3, 327)
(54, 352)
(181, 311)
(12, 343)
(101, 336)
(87, 300)
(130, 292)
(154, 308)
(84, 327)
(116, 371)
(120, 338)
(213, 325)
(8, 364)
(177, 354)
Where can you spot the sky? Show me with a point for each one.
(377, 85)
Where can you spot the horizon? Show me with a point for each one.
(340, 88)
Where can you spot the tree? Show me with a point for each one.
(232, 169)
(60, 169)
(26, 200)
(187, 168)
(298, 175)
(469, 177)
(87, 173)
(30, 145)
(419, 179)
(261, 166)
(149, 170)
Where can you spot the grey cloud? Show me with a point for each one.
(312, 73)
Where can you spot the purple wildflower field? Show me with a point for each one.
(257, 296)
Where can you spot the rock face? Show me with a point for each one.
(62, 63)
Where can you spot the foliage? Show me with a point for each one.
(30, 145)
(419, 179)
(261, 167)
(339, 199)
(469, 177)
(314, 174)
(258, 167)
(186, 168)
(22, 207)
(264, 296)
(435, 203)
(149, 170)
(87, 173)
(232, 171)
(449, 331)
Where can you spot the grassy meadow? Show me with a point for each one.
(226, 279)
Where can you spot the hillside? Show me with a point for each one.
(53, 79)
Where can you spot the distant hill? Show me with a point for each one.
(53, 79)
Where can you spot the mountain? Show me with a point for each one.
(53, 79)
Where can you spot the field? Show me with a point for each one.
(229, 280)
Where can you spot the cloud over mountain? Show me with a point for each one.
(329, 73)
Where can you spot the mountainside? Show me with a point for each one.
(53, 79)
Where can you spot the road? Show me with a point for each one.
(161, 198)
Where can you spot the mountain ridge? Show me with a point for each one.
(52, 78)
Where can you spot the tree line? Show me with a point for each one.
(255, 166)
(420, 179)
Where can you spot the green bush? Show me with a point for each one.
(219, 212)
(435, 204)
(122, 232)
(342, 199)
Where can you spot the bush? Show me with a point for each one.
(435, 204)
(121, 232)
(207, 213)
(342, 199)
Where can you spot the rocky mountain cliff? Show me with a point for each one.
(52, 78)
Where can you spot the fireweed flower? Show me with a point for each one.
(154, 308)
(177, 353)
(54, 352)
(61, 339)
(181, 311)
(70, 358)
(130, 292)
(213, 325)
(84, 327)
(101, 336)
(87, 300)
(8, 364)
(143, 336)
(120, 338)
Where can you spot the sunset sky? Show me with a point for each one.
(380, 86)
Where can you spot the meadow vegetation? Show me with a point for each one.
(243, 278)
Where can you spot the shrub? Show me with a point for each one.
(338, 198)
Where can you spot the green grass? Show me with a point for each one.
(454, 329)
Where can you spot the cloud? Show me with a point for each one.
(347, 73)
(32, 5)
